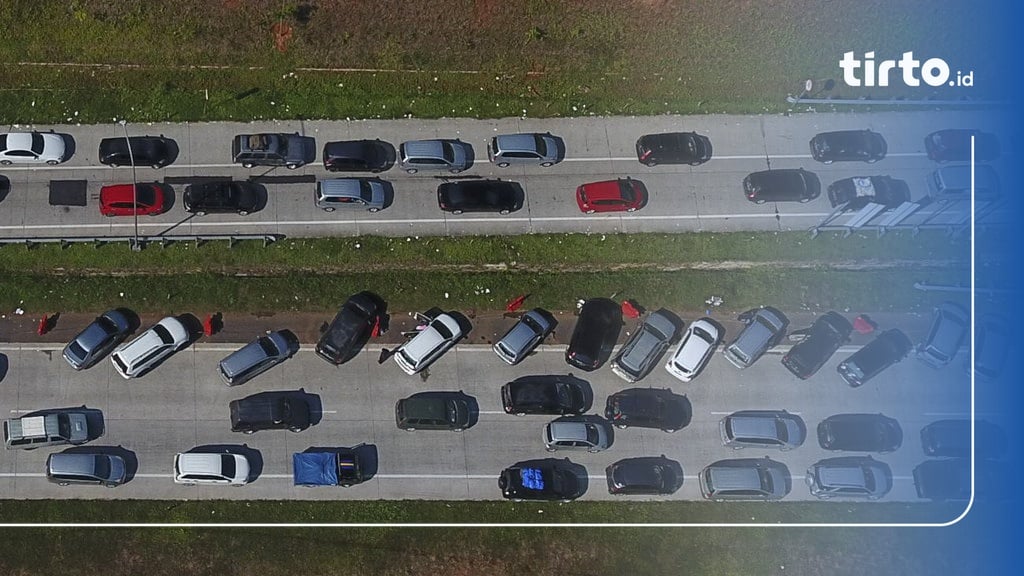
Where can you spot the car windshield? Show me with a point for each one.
(365, 192)
(592, 435)
(542, 149)
(449, 152)
(267, 345)
(145, 196)
(37, 143)
(703, 334)
(780, 431)
(227, 465)
(76, 350)
(766, 480)
(443, 330)
(102, 467)
(869, 480)
(163, 334)
(626, 189)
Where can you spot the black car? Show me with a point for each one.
(886, 349)
(270, 411)
(350, 329)
(860, 433)
(221, 197)
(848, 146)
(823, 338)
(954, 145)
(858, 191)
(555, 395)
(782, 185)
(434, 411)
(542, 480)
(952, 438)
(941, 480)
(647, 408)
(358, 156)
(154, 151)
(673, 148)
(479, 196)
(650, 475)
(597, 330)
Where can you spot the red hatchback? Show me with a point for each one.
(116, 200)
(622, 195)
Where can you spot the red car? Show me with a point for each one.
(622, 195)
(116, 200)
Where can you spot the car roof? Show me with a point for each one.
(429, 338)
(562, 430)
(342, 187)
(64, 463)
(426, 405)
(755, 424)
(350, 148)
(605, 190)
(518, 142)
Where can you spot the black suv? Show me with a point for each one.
(823, 338)
(673, 148)
(542, 480)
(648, 408)
(154, 151)
(953, 438)
(886, 349)
(498, 196)
(270, 411)
(860, 433)
(288, 150)
(596, 332)
(434, 411)
(555, 395)
(782, 185)
(358, 156)
(221, 197)
(350, 329)
(848, 146)
(650, 475)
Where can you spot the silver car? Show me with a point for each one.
(257, 357)
(949, 329)
(849, 477)
(451, 155)
(745, 479)
(429, 344)
(364, 193)
(86, 468)
(576, 433)
(524, 336)
(694, 351)
(507, 149)
(97, 340)
(644, 349)
(762, 429)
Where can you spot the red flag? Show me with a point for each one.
(376, 327)
(208, 325)
(629, 310)
(516, 303)
(44, 325)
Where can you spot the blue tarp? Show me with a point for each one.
(532, 478)
(315, 469)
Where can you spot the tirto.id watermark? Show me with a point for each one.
(933, 71)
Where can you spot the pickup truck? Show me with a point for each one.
(47, 429)
(334, 467)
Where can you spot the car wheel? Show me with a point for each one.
(547, 164)
(63, 483)
(593, 450)
(411, 170)
(549, 448)
(5, 162)
(502, 164)
(457, 429)
(630, 209)
(805, 200)
(520, 413)
(243, 212)
(108, 214)
(456, 212)
(200, 212)
(410, 429)
(827, 161)
(504, 212)
(53, 162)
(669, 430)
(156, 166)
(651, 163)
(111, 485)
(455, 170)
(759, 201)
(591, 211)
(248, 431)
(621, 426)
(291, 166)
(374, 209)
(295, 429)
(329, 209)
(247, 165)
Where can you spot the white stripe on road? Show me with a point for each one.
(492, 412)
(386, 476)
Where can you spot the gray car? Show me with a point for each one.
(257, 357)
(745, 479)
(97, 340)
(762, 429)
(86, 468)
(576, 433)
(362, 193)
(949, 329)
(849, 477)
(644, 349)
(765, 327)
(288, 150)
(524, 336)
(451, 155)
(507, 149)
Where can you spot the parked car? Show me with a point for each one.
(429, 344)
(957, 182)
(221, 197)
(48, 428)
(135, 358)
(270, 411)
(271, 149)
(952, 438)
(153, 151)
(950, 325)
(859, 191)
(350, 329)
(597, 330)
(208, 467)
(673, 148)
(745, 479)
(66, 468)
(556, 394)
(576, 433)
(257, 357)
(644, 476)
(144, 199)
(622, 195)
(451, 155)
(848, 146)
(642, 352)
(647, 408)
(886, 349)
(782, 185)
(949, 479)
(328, 467)
(765, 327)
(531, 329)
(541, 480)
(97, 339)
(434, 411)
(694, 350)
(762, 429)
(507, 149)
(860, 433)
(954, 145)
(823, 339)
(360, 193)
(32, 148)
(358, 156)
(849, 477)
(991, 348)
(499, 196)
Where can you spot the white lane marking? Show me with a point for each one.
(492, 412)
(112, 169)
(727, 413)
(20, 411)
(328, 411)
(436, 476)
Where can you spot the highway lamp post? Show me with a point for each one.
(135, 245)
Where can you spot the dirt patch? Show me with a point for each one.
(282, 33)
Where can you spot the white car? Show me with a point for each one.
(32, 148)
(211, 468)
(441, 334)
(165, 338)
(694, 350)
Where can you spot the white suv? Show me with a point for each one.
(695, 348)
(165, 338)
(440, 334)
(211, 468)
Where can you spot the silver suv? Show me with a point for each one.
(762, 429)
(644, 349)
(849, 477)
(507, 149)
(576, 433)
(451, 155)
(745, 479)
(765, 327)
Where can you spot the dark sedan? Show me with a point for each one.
(954, 145)
(782, 185)
(857, 192)
(647, 408)
(542, 480)
(154, 151)
(644, 476)
(823, 338)
(221, 197)
(860, 433)
(953, 438)
(848, 146)
(555, 395)
(673, 148)
(480, 196)
(358, 156)
(98, 339)
(597, 330)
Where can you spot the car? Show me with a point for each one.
(673, 148)
(886, 349)
(950, 325)
(451, 155)
(576, 433)
(848, 146)
(507, 149)
(531, 329)
(597, 330)
(859, 191)
(949, 479)
(272, 149)
(860, 433)
(694, 350)
(646, 475)
(622, 195)
(66, 468)
(762, 429)
(647, 408)
(364, 193)
(991, 348)
(961, 182)
(153, 151)
(135, 358)
(221, 196)
(97, 339)
(270, 411)
(49, 428)
(545, 480)
(554, 394)
(823, 339)
(32, 148)
(952, 438)
(211, 467)
(782, 185)
(745, 479)
(644, 349)
(499, 196)
(257, 357)
(358, 156)
(849, 477)
(434, 411)
(440, 334)
(350, 329)
(954, 145)
(144, 199)
(765, 327)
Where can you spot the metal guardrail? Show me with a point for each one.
(162, 241)
(895, 102)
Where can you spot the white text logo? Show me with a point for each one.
(933, 71)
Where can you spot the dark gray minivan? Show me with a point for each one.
(765, 327)
(86, 468)
(257, 357)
